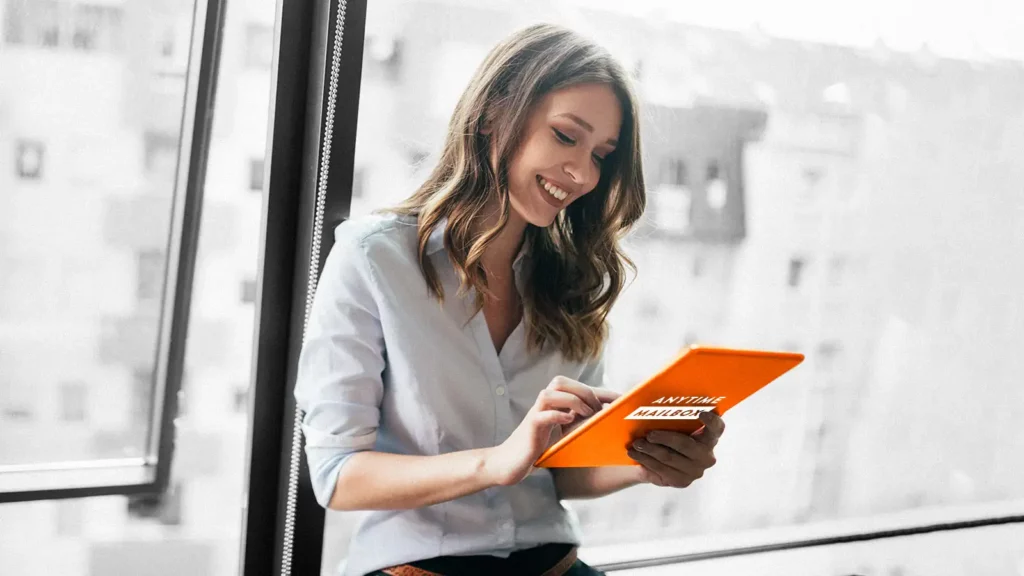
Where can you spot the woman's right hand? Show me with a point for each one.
(558, 405)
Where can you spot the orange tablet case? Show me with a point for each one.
(701, 379)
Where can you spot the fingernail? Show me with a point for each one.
(638, 445)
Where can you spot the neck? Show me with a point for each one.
(501, 253)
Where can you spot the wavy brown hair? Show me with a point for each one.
(576, 268)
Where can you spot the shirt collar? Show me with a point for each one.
(435, 243)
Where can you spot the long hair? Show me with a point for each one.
(576, 267)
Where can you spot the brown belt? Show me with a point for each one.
(558, 569)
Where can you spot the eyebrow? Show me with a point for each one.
(586, 126)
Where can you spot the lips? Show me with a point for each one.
(553, 189)
(553, 194)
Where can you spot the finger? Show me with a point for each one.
(646, 473)
(670, 458)
(605, 395)
(667, 475)
(553, 418)
(651, 477)
(693, 449)
(570, 386)
(549, 398)
(712, 430)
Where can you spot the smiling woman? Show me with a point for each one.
(516, 234)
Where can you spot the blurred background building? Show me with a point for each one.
(859, 204)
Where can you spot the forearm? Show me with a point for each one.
(582, 483)
(383, 481)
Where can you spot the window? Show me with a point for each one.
(358, 182)
(63, 24)
(673, 197)
(256, 175)
(240, 400)
(796, 270)
(72, 402)
(248, 292)
(674, 172)
(837, 267)
(97, 383)
(259, 44)
(29, 156)
(150, 270)
(716, 188)
(160, 154)
(697, 268)
(93, 319)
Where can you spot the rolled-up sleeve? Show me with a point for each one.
(339, 385)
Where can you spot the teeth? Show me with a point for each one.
(553, 190)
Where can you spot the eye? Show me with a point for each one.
(562, 137)
(599, 160)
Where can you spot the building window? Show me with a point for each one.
(52, 24)
(828, 356)
(837, 270)
(256, 175)
(72, 401)
(241, 399)
(698, 266)
(142, 397)
(673, 198)
(716, 188)
(96, 28)
(29, 159)
(17, 413)
(150, 281)
(259, 44)
(358, 182)
(248, 291)
(674, 172)
(161, 153)
(796, 270)
(648, 308)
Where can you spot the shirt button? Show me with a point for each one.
(500, 390)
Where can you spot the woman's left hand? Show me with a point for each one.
(676, 459)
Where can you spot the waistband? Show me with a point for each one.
(544, 560)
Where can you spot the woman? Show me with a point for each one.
(454, 338)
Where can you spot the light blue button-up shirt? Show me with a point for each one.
(385, 367)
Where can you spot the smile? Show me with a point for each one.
(551, 189)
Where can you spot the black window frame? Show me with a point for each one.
(197, 121)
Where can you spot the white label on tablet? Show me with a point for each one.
(668, 412)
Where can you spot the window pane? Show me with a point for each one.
(858, 201)
(89, 140)
(82, 255)
(993, 551)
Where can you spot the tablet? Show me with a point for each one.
(702, 379)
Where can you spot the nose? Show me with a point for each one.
(583, 174)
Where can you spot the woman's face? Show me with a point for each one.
(567, 135)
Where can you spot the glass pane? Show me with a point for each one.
(98, 277)
(89, 139)
(993, 551)
(847, 184)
